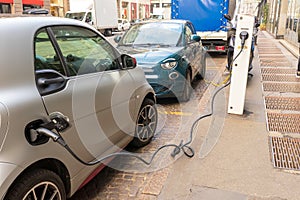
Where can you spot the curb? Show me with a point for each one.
(291, 48)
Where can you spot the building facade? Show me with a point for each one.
(59, 7)
(127, 9)
(250, 7)
(133, 9)
(283, 19)
(56, 7)
(161, 7)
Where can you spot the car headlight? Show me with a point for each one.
(169, 63)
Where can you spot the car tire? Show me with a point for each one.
(108, 32)
(201, 73)
(36, 181)
(187, 89)
(146, 124)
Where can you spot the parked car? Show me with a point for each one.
(170, 53)
(123, 24)
(63, 83)
(36, 11)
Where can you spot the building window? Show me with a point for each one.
(5, 8)
(295, 25)
(29, 6)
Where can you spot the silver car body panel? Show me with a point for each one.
(21, 103)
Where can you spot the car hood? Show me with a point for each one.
(147, 55)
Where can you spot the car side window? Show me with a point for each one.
(88, 17)
(45, 54)
(188, 34)
(85, 51)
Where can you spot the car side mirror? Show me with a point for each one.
(117, 38)
(228, 17)
(128, 61)
(195, 38)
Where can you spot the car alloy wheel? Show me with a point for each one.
(38, 184)
(44, 190)
(146, 124)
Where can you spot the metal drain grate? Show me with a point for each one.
(275, 64)
(285, 153)
(268, 59)
(280, 78)
(267, 51)
(283, 123)
(282, 87)
(274, 70)
(272, 58)
(282, 103)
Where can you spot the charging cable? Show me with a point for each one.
(184, 147)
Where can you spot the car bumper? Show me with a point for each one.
(167, 83)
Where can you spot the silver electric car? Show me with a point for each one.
(67, 99)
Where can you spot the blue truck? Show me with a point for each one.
(208, 19)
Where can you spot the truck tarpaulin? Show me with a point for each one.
(201, 13)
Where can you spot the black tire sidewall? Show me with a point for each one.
(30, 179)
(186, 93)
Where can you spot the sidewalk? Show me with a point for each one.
(244, 157)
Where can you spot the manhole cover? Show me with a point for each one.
(274, 70)
(282, 103)
(282, 87)
(283, 123)
(280, 78)
(285, 152)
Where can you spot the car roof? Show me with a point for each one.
(30, 24)
(177, 21)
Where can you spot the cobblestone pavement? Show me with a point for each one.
(128, 178)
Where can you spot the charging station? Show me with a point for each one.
(239, 76)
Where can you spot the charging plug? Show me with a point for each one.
(244, 36)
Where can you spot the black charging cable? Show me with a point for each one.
(184, 147)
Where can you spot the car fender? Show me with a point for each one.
(8, 172)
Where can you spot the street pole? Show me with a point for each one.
(298, 69)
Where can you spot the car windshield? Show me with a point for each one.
(77, 15)
(156, 33)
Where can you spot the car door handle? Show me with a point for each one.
(48, 81)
